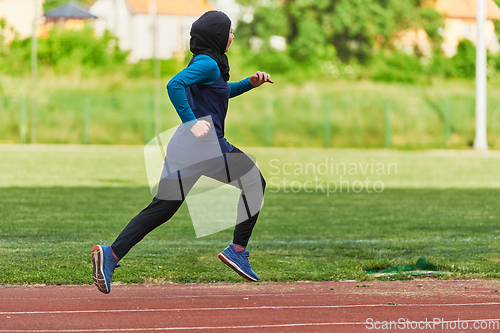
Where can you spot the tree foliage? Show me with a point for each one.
(355, 28)
(49, 5)
(62, 50)
(352, 39)
(68, 51)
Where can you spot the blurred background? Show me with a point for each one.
(82, 89)
(348, 73)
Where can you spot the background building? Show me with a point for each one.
(19, 14)
(68, 16)
(132, 21)
(460, 23)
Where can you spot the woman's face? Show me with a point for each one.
(230, 39)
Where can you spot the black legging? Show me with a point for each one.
(161, 209)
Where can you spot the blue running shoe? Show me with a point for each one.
(238, 262)
(103, 267)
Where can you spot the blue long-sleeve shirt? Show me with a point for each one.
(199, 90)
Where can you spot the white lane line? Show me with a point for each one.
(283, 294)
(180, 328)
(284, 242)
(280, 295)
(275, 307)
(217, 327)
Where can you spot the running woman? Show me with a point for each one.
(200, 94)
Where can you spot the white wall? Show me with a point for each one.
(230, 7)
(141, 37)
(458, 29)
(135, 31)
(172, 35)
(115, 16)
(103, 9)
(19, 14)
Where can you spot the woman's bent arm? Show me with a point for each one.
(203, 70)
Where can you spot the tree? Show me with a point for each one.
(48, 5)
(356, 28)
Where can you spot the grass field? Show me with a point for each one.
(335, 113)
(57, 201)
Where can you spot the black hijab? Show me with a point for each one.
(209, 36)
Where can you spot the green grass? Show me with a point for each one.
(56, 202)
(123, 166)
(299, 237)
(121, 112)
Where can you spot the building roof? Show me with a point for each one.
(466, 9)
(171, 7)
(70, 11)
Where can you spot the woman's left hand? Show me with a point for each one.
(259, 78)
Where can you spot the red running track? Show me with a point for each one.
(448, 306)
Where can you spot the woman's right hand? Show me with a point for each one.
(201, 128)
